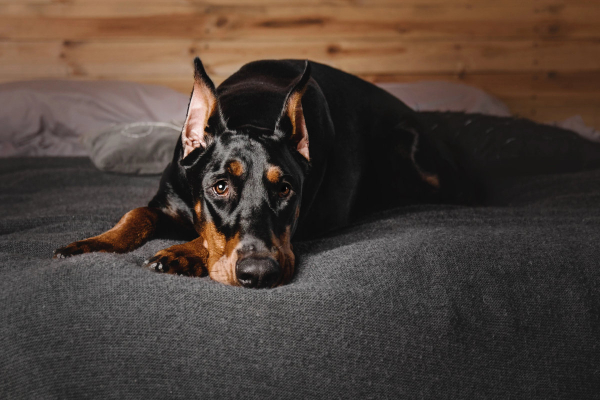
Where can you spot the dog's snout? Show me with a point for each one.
(253, 272)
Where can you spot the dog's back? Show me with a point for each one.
(487, 148)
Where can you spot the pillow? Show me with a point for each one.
(138, 148)
(446, 96)
(48, 118)
(576, 124)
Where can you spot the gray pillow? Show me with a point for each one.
(137, 148)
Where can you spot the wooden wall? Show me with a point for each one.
(542, 57)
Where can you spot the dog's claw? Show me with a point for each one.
(156, 266)
(58, 254)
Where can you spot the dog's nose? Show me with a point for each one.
(257, 273)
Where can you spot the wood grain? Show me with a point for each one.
(542, 57)
(473, 21)
(555, 4)
(115, 58)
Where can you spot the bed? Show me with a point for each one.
(424, 301)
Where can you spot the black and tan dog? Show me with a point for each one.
(286, 149)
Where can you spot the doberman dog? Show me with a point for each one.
(284, 149)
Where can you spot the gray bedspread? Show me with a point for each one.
(421, 302)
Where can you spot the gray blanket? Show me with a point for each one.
(419, 302)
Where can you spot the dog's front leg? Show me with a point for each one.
(186, 259)
(132, 231)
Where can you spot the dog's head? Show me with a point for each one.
(246, 177)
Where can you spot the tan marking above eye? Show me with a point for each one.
(274, 173)
(235, 168)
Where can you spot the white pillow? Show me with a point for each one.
(47, 118)
(138, 148)
(446, 96)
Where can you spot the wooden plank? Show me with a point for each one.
(473, 21)
(32, 60)
(413, 9)
(361, 3)
(354, 3)
(172, 57)
(313, 3)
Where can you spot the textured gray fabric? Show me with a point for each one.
(421, 302)
(138, 148)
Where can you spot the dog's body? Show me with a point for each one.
(282, 149)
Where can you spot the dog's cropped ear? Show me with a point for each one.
(292, 110)
(203, 104)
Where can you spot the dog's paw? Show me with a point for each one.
(75, 248)
(91, 245)
(177, 260)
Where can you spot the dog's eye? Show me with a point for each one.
(285, 190)
(221, 188)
